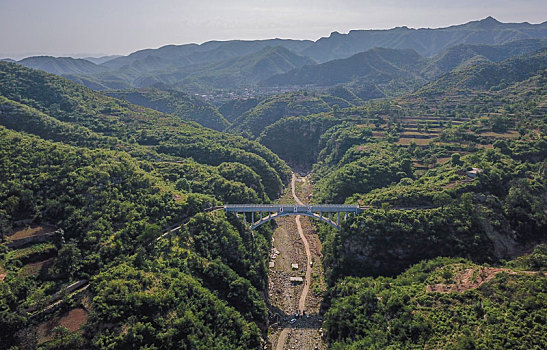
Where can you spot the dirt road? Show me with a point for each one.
(282, 339)
(305, 332)
(307, 280)
(293, 189)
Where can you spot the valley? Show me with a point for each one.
(115, 175)
(295, 242)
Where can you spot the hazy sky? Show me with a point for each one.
(80, 27)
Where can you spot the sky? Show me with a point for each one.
(82, 28)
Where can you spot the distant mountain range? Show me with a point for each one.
(427, 42)
(379, 71)
(191, 54)
(400, 57)
(244, 71)
(102, 59)
(378, 64)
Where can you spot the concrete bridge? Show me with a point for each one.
(329, 213)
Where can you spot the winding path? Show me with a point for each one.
(282, 339)
(302, 302)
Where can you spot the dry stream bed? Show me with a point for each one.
(290, 239)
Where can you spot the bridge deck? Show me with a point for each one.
(314, 208)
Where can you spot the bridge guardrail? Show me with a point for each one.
(276, 207)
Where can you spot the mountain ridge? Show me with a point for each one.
(61, 65)
(344, 45)
(216, 65)
(371, 73)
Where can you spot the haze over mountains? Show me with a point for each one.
(259, 64)
(114, 232)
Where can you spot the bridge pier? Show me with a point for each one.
(322, 212)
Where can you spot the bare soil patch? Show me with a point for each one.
(506, 135)
(472, 278)
(72, 320)
(405, 141)
(32, 230)
(35, 268)
(458, 183)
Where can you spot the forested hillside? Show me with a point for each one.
(176, 103)
(113, 177)
(443, 303)
(455, 169)
(253, 121)
(137, 127)
(381, 72)
(451, 170)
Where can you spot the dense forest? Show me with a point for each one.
(443, 303)
(113, 187)
(112, 233)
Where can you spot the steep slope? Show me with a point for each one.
(274, 108)
(176, 103)
(163, 133)
(489, 75)
(462, 56)
(425, 41)
(375, 66)
(246, 70)
(67, 162)
(481, 307)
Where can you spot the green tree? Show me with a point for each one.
(68, 260)
(455, 159)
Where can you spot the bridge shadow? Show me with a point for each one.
(279, 319)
